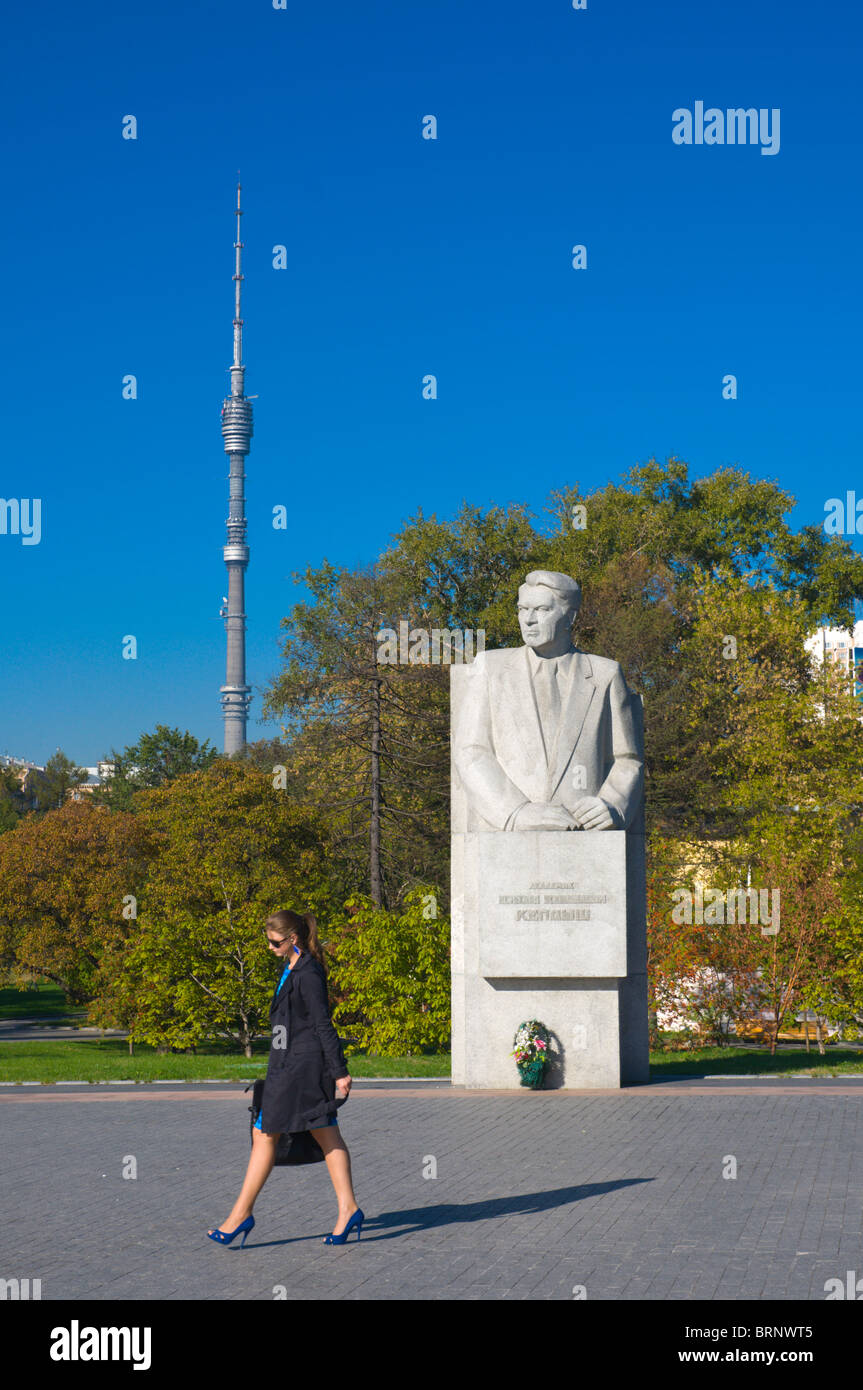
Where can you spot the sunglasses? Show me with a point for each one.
(278, 942)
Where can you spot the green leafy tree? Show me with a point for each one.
(231, 849)
(848, 981)
(646, 552)
(369, 743)
(700, 968)
(780, 736)
(66, 880)
(773, 745)
(50, 788)
(801, 964)
(156, 759)
(369, 736)
(392, 969)
(12, 803)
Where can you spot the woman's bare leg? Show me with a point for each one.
(261, 1161)
(339, 1167)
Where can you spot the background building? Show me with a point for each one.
(843, 647)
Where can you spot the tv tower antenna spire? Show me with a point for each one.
(237, 434)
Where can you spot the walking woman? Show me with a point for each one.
(306, 1072)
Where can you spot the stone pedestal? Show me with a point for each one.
(549, 925)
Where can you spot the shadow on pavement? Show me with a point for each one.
(411, 1219)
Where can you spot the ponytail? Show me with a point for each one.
(305, 924)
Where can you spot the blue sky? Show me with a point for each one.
(406, 257)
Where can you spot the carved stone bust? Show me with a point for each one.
(549, 737)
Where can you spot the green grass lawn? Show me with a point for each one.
(109, 1060)
(737, 1061)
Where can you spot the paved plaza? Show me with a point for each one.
(537, 1195)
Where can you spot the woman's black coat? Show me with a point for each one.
(306, 1055)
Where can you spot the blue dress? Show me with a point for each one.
(334, 1120)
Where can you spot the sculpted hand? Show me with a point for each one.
(541, 815)
(592, 814)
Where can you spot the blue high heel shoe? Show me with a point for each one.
(356, 1221)
(225, 1237)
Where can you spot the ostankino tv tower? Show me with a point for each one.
(237, 433)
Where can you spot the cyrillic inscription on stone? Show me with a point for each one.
(557, 910)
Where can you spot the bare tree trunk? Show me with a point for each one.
(245, 1037)
(819, 1037)
(375, 827)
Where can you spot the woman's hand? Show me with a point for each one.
(343, 1087)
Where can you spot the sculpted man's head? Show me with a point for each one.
(547, 606)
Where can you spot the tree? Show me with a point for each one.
(848, 979)
(231, 849)
(800, 963)
(156, 759)
(51, 787)
(12, 804)
(648, 552)
(370, 743)
(781, 737)
(701, 967)
(776, 759)
(369, 734)
(393, 971)
(367, 750)
(66, 880)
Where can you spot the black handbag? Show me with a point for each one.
(292, 1148)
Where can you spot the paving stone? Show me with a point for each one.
(622, 1193)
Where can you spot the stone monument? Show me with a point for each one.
(548, 869)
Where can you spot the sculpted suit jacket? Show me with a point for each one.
(500, 751)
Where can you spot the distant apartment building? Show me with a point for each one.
(96, 777)
(20, 765)
(27, 775)
(842, 647)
